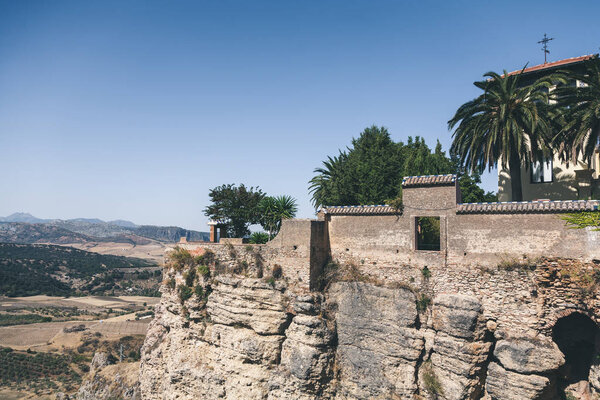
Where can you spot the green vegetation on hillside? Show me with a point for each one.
(27, 270)
(20, 319)
(37, 371)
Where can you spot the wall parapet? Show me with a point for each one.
(381, 209)
(515, 207)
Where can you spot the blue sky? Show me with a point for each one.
(135, 109)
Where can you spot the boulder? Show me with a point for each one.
(248, 302)
(528, 356)
(378, 345)
(456, 315)
(507, 385)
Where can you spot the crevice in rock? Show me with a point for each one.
(488, 337)
(284, 328)
(418, 364)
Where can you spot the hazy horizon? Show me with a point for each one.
(134, 110)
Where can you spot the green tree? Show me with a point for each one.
(235, 206)
(471, 192)
(273, 210)
(372, 169)
(580, 107)
(506, 124)
(259, 238)
(331, 184)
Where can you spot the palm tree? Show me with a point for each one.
(275, 209)
(506, 124)
(323, 186)
(581, 109)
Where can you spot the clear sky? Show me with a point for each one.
(135, 109)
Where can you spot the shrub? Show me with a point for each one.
(259, 238)
(430, 380)
(199, 291)
(570, 396)
(170, 283)
(185, 292)
(270, 281)
(189, 277)
(243, 265)
(423, 302)
(231, 249)
(179, 258)
(426, 272)
(249, 248)
(204, 270)
(582, 220)
(206, 258)
(513, 264)
(277, 271)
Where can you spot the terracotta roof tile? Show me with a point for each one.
(554, 64)
(361, 210)
(523, 207)
(428, 180)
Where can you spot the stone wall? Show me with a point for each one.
(475, 320)
(480, 334)
(484, 238)
(300, 250)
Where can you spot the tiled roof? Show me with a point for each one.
(361, 210)
(428, 180)
(554, 64)
(524, 207)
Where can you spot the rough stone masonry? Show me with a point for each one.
(348, 307)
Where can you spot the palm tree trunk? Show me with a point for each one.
(514, 164)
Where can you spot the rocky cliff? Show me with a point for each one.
(245, 336)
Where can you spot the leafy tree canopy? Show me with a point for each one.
(508, 124)
(372, 169)
(274, 209)
(235, 206)
(579, 112)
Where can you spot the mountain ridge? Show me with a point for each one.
(25, 228)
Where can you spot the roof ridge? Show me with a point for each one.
(551, 64)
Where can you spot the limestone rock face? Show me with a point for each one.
(250, 339)
(527, 356)
(456, 315)
(117, 381)
(507, 385)
(231, 353)
(378, 343)
(459, 351)
(523, 369)
(249, 302)
(306, 356)
(99, 360)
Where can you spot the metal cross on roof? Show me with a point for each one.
(545, 41)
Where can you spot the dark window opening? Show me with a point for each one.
(427, 233)
(541, 172)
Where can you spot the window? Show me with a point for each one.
(427, 233)
(541, 172)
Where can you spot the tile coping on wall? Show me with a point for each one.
(473, 208)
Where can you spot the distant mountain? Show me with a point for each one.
(123, 223)
(170, 233)
(18, 232)
(25, 228)
(87, 220)
(96, 229)
(23, 217)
